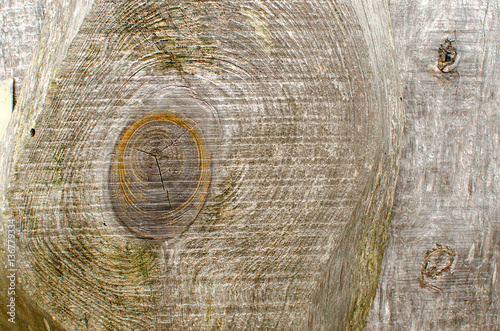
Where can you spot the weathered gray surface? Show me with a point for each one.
(20, 26)
(299, 106)
(6, 103)
(448, 186)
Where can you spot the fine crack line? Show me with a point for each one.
(159, 171)
(140, 150)
(173, 141)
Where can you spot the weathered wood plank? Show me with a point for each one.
(297, 105)
(21, 21)
(448, 186)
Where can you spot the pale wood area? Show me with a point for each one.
(448, 186)
(20, 23)
(295, 108)
(6, 103)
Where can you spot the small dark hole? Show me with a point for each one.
(401, 98)
(32, 132)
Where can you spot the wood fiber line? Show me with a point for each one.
(284, 123)
(21, 27)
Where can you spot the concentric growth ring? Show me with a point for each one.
(159, 176)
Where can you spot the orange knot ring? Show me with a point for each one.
(159, 176)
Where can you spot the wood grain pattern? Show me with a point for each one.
(159, 176)
(21, 23)
(448, 187)
(298, 106)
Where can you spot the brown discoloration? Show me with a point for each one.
(437, 263)
(447, 56)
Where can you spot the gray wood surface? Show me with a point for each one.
(448, 186)
(20, 27)
(298, 104)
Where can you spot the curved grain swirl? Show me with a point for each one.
(284, 137)
(160, 176)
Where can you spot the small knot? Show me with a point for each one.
(447, 56)
(437, 262)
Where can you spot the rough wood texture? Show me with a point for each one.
(448, 186)
(20, 22)
(298, 105)
(6, 103)
(159, 176)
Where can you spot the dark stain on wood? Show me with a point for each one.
(447, 56)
